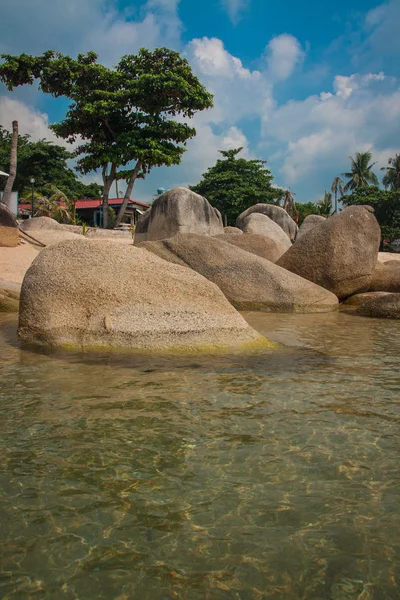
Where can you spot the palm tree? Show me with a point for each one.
(289, 205)
(325, 205)
(337, 187)
(54, 204)
(361, 174)
(13, 165)
(391, 179)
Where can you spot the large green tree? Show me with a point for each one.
(361, 174)
(234, 184)
(305, 209)
(47, 164)
(127, 119)
(391, 178)
(386, 205)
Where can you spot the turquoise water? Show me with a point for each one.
(271, 476)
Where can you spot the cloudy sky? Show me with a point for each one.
(299, 84)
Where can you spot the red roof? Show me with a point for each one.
(88, 203)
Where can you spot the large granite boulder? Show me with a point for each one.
(99, 294)
(361, 299)
(9, 237)
(276, 213)
(382, 307)
(248, 281)
(259, 224)
(178, 211)
(48, 231)
(309, 223)
(9, 296)
(256, 244)
(386, 277)
(340, 254)
(234, 230)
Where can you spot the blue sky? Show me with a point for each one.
(299, 84)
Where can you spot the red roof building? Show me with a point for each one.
(90, 210)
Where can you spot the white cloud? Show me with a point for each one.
(83, 25)
(382, 23)
(239, 92)
(284, 54)
(314, 137)
(235, 8)
(30, 120)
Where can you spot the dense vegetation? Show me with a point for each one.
(124, 118)
(47, 164)
(386, 204)
(234, 184)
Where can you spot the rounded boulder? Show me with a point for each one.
(99, 294)
(248, 281)
(339, 254)
(276, 214)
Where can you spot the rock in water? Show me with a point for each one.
(248, 281)
(178, 211)
(309, 223)
(363, 298)
(275, 213)
(259, 224)
(386, 277)
(9, 296)
(340, 254)
(256, 244)
(99, 294)
(385, 306)
(9, 237)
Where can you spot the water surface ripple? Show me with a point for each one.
(271, 476)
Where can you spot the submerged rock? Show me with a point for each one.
(9, 237)
(178, 211)
(9, 296)
(363, 298)
(386, 277)
(384, 306)
(248, 281)
(275, 213)
(340, 254)
(98, 294)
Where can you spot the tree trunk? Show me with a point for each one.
(128, 192)
(335, 201)
(107, 183)
(13, 165)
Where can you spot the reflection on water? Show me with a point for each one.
(272, 476)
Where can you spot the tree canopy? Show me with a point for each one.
(47, 164)
(391, 178)
(360, 174)
(386, 205)
(124, 118)
(234, 184)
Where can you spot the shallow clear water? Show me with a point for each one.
(271, 476)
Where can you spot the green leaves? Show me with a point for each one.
(124, 116)
(47, 163)
(234, 184)
(391, 179)
(386, 205)
(361, 174)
